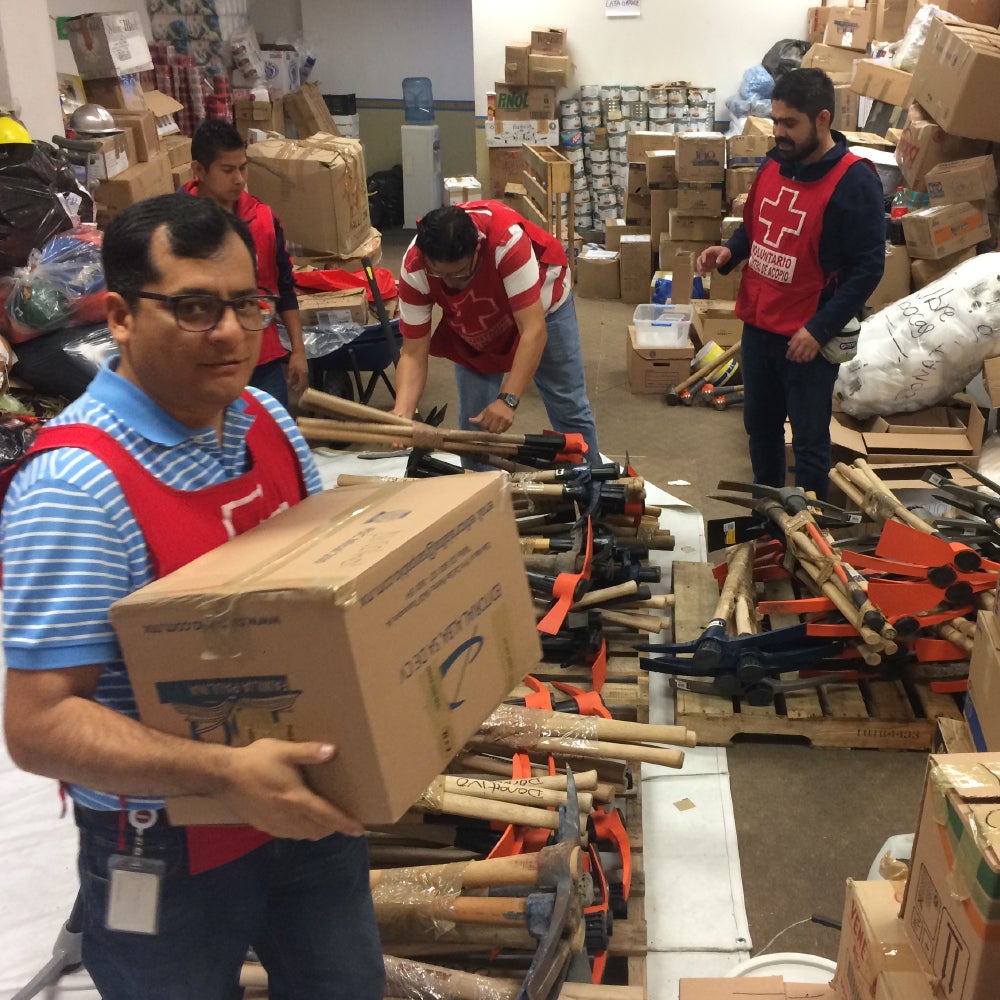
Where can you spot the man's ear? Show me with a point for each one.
(197, 171)
(824, 118)
(119, 318)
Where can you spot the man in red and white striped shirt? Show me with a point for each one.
(504, 289)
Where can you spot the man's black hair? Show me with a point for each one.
(196, 228)
(213, 137)
(808, 91)
(446, 235)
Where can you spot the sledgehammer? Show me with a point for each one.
(674, 394)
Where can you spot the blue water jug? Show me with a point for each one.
(418, 100)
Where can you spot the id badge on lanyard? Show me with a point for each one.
(135, 882)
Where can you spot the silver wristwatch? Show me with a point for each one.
(510, 399)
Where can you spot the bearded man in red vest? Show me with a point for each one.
(219, 161)
(813, 237)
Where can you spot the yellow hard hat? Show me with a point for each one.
(12, 131)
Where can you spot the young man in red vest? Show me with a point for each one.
(813, 236)
(165, 457)
(219, 161)
(508, 318)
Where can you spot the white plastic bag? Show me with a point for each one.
(906, 51)
(924, 348)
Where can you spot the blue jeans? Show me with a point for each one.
(777, 388)
(270, 377)
(304, 907)
(559, 379)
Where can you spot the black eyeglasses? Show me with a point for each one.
(200, 313)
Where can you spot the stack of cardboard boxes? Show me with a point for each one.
(147, 157)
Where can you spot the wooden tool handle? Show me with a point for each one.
(652, 624)
(317, 400)
(621, 731)
(616, 751)
(706, 368)
(593, 597)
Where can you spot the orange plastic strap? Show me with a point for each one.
(588, 702)
(564, 589)
(539, 697)
(599, 668)
(610, 826)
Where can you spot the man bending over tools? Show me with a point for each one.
(813, 236)
(162, 459)
(505, 290)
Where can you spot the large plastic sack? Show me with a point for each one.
(62, 285)
(31, 210)
(906, 51)
(64, 362)
(757, 84)
(924, 348)
(784, 56)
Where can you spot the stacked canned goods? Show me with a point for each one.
(594, 128)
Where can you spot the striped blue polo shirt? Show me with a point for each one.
(71, 546)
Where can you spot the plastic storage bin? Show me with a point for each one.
(661, 326)
(418, 100)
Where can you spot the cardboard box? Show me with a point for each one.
(615, 229)
(107, 45)
(179, 176)
(890, 20)
(116, 92)
(982, 700)
(952, 736)
(846, 108)
(963, 180)
(752, 988)
(725, 287)
(934, 435)
(869, 140)
(144, 180)
(639, 144)
(895, 282)
(991, 380)
(748, 150)
(660, 204)
(754, 126)
(881, 81)
(281, 69)
(730, 223)
(976, 11)
(461, 189)
(547, 71)
(317, 187)
(164, 107)
(694, 228)
(597, 275)
(903, 986)
(700, 199)
(515, 64)
(951, 909)
(715, 319)
(309, 112)
(739, 180)
(515, 103)
(269, 116)
(142, 126)
(349, 305)
(682, 269)
(832, 59)
(701, 157)
(849, 27)
(661, 168)
(924, 144)
(427, 623)
(177, 149)
(637, 203)
(872, 939)
(514, 132)
(549, 41)
(817, 19)
(959, 66)
(653, 370)
(669, 249)
(923, 272)
(112, 155)
(944, 229)
(635, 267)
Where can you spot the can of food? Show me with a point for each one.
(598, 155)
(589, 135)
(570, 107)
(637, 126)
(579, 182)
(606, 199)
(617, 141)
(682, 125)
(630, 92)
(581, 196)
(636, 109)
(600, 139)
(598, 183)
(574, 154)
(590, 91)
(609, 214)
(677, 111)
(700, 112)
(701, 96)
(571, 138)
(602, 169)
(611, 92)
(619, 175)
(658, 112)
(590, 106)
(664, 126)
(699, 126)
(579, 170)
(613, 110)
(677, 95)
(568, 122)
(591, 120)
(619, 156)
(583, 221)
(657, 93)
(616, 128)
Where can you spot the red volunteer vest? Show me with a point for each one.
(180, 525)
(481, 310)
(783, 278)
(260, 220)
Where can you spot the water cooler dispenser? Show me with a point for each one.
(420, 140)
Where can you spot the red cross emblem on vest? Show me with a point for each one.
(779, 216)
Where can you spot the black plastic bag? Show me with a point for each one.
(31, 212)
(385, 198)
(64, 362)
(784, 56)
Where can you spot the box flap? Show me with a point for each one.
(161, 104)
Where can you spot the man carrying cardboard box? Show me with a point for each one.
(504, 287)
(165, 457)
(813, 236)
(219, 161)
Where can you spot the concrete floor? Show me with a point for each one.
(807, 819)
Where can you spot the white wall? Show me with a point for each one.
(707, 42)
(367, 48)
(28, 72)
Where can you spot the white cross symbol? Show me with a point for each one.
(783, 215)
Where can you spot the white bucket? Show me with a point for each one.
(793, 966)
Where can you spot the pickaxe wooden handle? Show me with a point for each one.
(704, 370)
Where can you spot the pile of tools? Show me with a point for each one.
(895, 604)
(700, 387)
